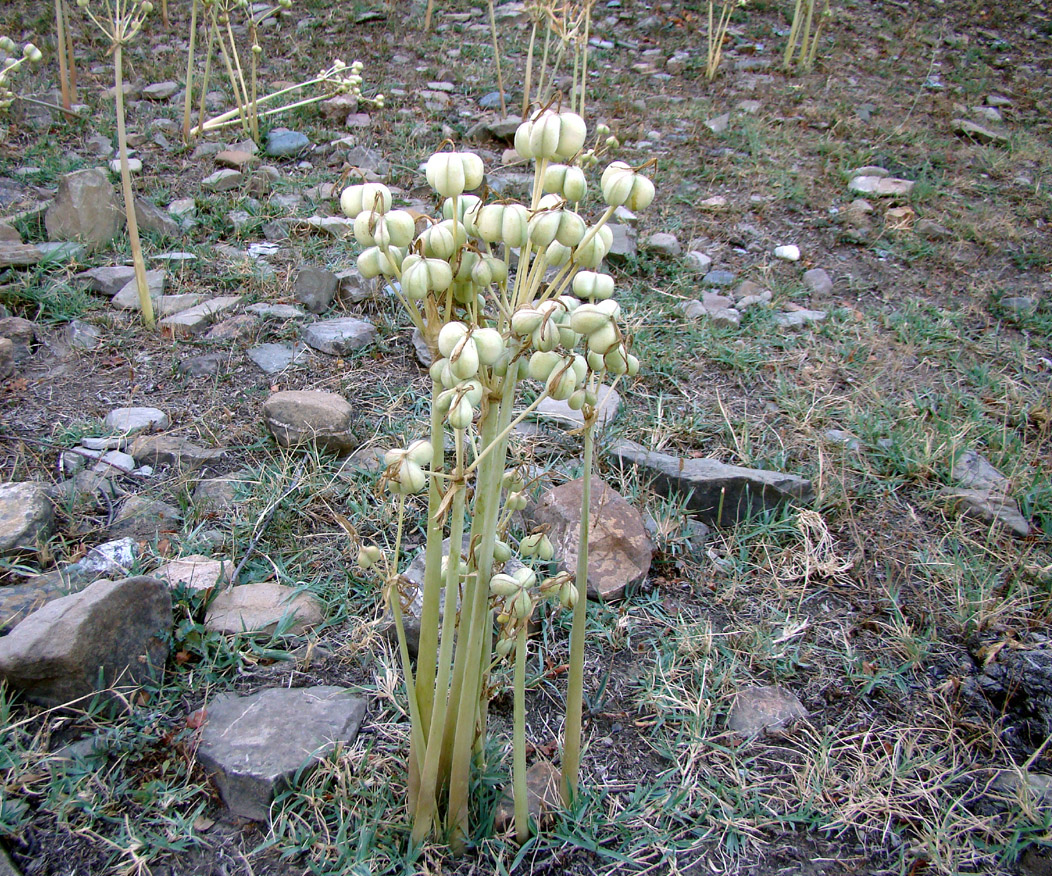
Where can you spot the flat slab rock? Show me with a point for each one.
(26, 517)
(172, 450)
(338, 337)
(609, 406)
(116, 630)
(714, 491)
(196, 572)
(265, 608)
(297, 417)
(988, 507)
(760, 709)
(253, 746)
(619, 548)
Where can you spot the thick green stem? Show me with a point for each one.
(522, 800)
(575, 680)
(189, 91)
(145, 302)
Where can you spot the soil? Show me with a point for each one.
(889, 80)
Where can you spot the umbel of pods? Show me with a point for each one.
(502, 293)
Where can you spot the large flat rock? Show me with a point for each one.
(253, 746)
(714, 491)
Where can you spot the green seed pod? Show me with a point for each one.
(368, 556)
(525, 321)
(460, 415)
(464, 360)
(525, 576)
(452, 333)
(400, 227)
(576, 401)
(501, 551)
(504, 646)
(568, 595)
(490, 345)
(367, 196)
(588, 319)
(522, 607)
(571, 229)
(561, 383)
(512, 480)
(420, 452)
(545, 337)
(557, 254)
(504, 586)
(601, 340)
(543, 363)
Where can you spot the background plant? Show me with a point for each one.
(120, 22)
(492, 320)
(802, 45)
(717, 33)
(10, 64)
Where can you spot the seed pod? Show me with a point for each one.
(589, 284)
(543, 363)
(633, 365)
(490, 345)
(588, 319)
(438, 241)
(411, 476)
(460, 414)
(367, 196)
(516, 501)
(601, 340)
(420, 452)
(369, 263)
(503, 223)
(525, 321)
(504, 646)
(452, 333)
(445, 174)
(544, 226)
(568, 595)
(368, 556)
(501, 551)
(616, 360)
(546, 336)
(557, 254)
(522, 606)
(576, 401)
(525, 576)
(512, 480)
(400, 227)
(561, 383)
(592, 253)
(464, 360)
(504, 586)
(571, 229)
(523, 137)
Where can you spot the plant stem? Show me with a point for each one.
(188, 97)
(575, 680)
(145, 302)
(60, 45)
(522, 801)
(496, 59)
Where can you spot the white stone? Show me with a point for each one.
(131, 420)
(134, 165)
(789, 253)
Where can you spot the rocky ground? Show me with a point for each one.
(822, 567)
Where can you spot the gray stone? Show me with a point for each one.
(9, 234)
(819, 282)
(727, 318)
(217, 494)
(222, 180)
(80, 335)
(172, 450)
(114, 462)
(764, 709)
(716, 492)
(127, 298)
(664, 244)
(26, 517)
(282, 142)
(928, 229)
(22, 333)
(988, 508)
(60, 252)
(85, 209)
(881, 187)
(113, 632)
(160, 90)
(196, 320)
(114, 558)
(205, 365)
(7, 358)
(1023, 677)
(979, 133)
(338, 337)
(266, 607)
(720, 278)
(276, 311)
(1019, 305)
(844, 439)
(154, 220)
(145, 519)
(109, 280)
(619, 549)
(719, 124)
(19, 254)
(799, 318)
(239, 327)
(235, 159)
(698, 262)
(255, 746)
(275, 358)
(543, 796)
(715, 204)
(315, 288)
(129, 421)
(297, 417)
(423, 352)
(973, 471)
(492, 100)
(352, 287)
(608, 408)
(84, 490)
(624, 246)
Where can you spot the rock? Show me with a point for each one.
(114, 629)
(713, 302)
(274, 358)
(85, 490)
(608, 408)
(727, 318)
(171, 450)
(26, 517)
(719, 124)
(698, 262)
(145, 519)
(297, 417)
(979, 133)
(619, 549)
(973, 471)
(195, 320)
(154, 220)
(883, 187)
(315, 288)
(205, 365)
(134, 165)
(664, 244)
(9, 234)
(1016, 305)
(195, 572)
(128, 296)
(543, 795)
(282, 142)
(336, 109)
(750, 107)
(750, 294)
(819, 282)
(799, 318)
(759, 709)
(352, 287)
(237, 328)
(931, 230)
(7, 358)
(109, 280)
(788, 253)
(1020, 677)
(266, 607)
(80, 335)
(222, 180)
(21, 333)
(114, 462)
(338, 337)
(719, 278)
(235, 159)
(276, 311)
(160, 90)
(183, 210)
(715, 204)
(19, 254)
(216, 494)
(255, 746)
(129, 421)
(714, 491)
(85, 209)
(624, 246)
(988, 508)
(844, 439)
